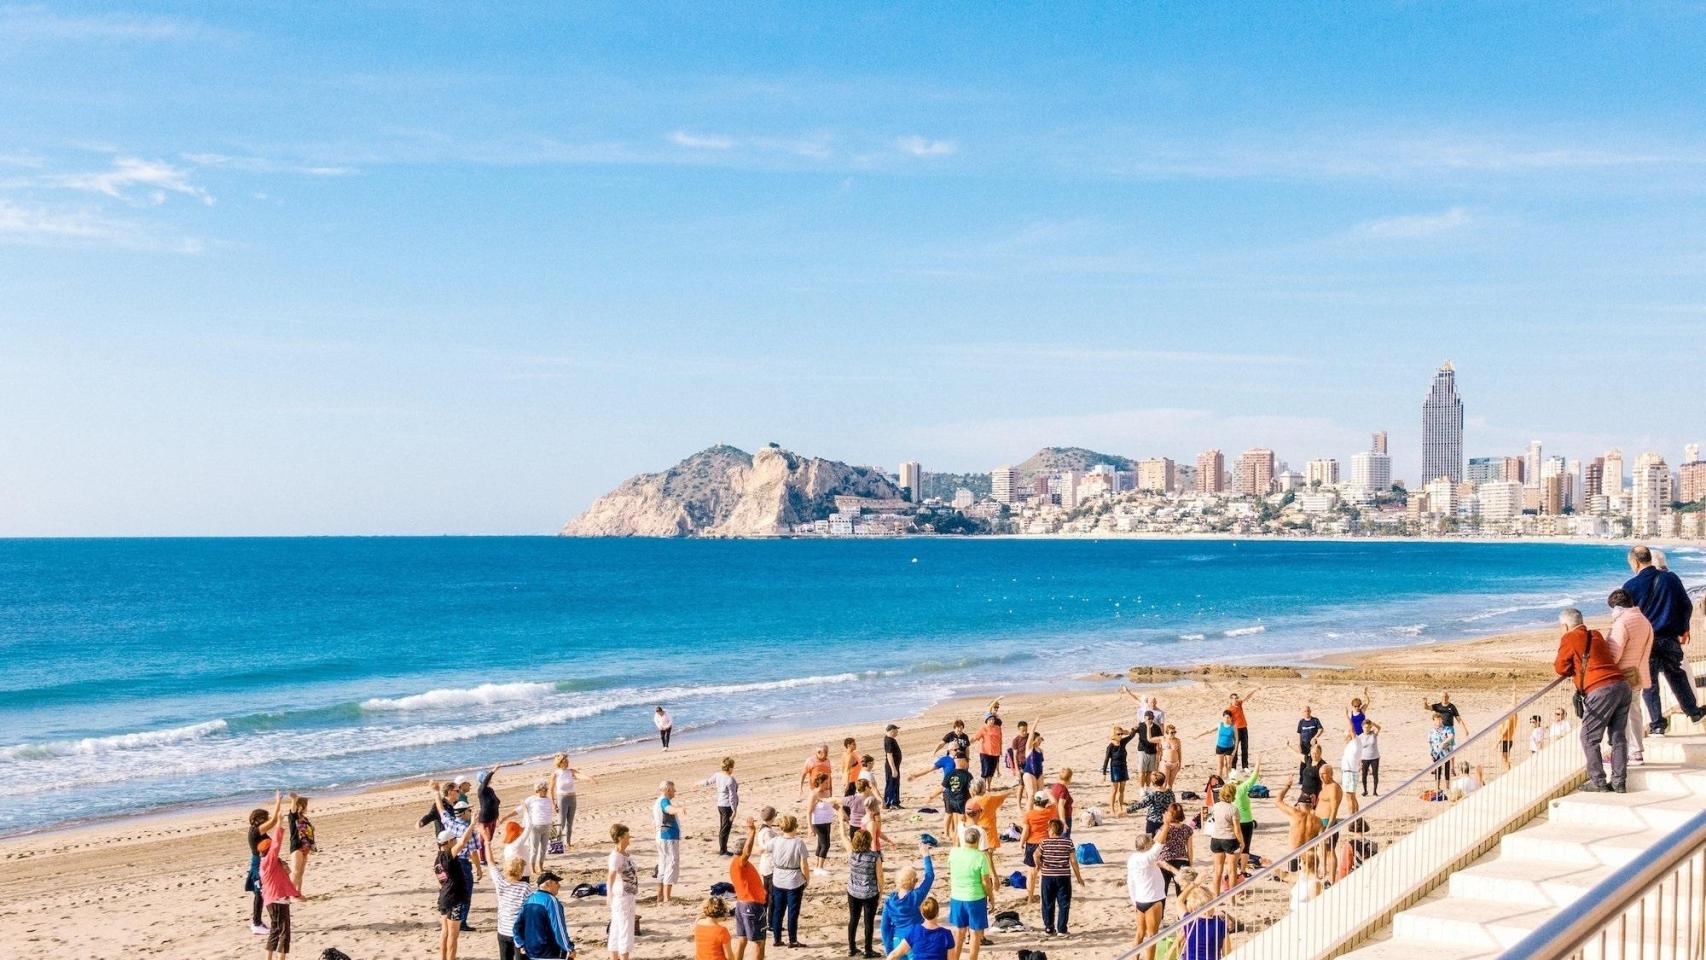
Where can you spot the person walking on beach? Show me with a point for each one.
(622, 889)
(728, 800)
(1584, 655)
(301, 833)
(665, 724)
(666, 813)
(1631, 642)
(710, 937)
(891, 768)
(1057, 867)
(791, 872)
(1235, 707)
(1115, 768)
(901, 909)
(971, 887)
(540, 929)
(564, 777)
(260, 825)
(1665, 603)
(752, 900)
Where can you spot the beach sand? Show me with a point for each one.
(171, 885)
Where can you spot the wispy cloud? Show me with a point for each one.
(1414, 226)
(1011, 355)
(49, 226)
(918, 146)
(37, 22)
(251, 164)
(697, 141)
(129, 178)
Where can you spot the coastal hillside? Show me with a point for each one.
(1051, 460)
(724, 491)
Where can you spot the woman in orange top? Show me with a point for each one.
(710, 937)
(984, 809)
(851, 762)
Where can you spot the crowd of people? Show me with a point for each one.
(895, 906)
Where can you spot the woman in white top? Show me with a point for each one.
(536, 814)
(1305, 884)
(790, 870)
(1350, 762)
(1225, 839)
(564, 781)
(1368, 746)
(622, 883)
(665, 724)
(1146, 885)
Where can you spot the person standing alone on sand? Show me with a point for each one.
(891, 768)
(1236, 708)
(728, 800)
(1631, 642)
(564, 777)
(622, 887)
(1584, 655)
(665, 724)
(1115, 768)
(666, 814)
(1664, 601)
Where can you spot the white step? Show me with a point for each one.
(1529, 883)
(1403, 948)
(1635, 810)
(1577, 843)
(1667, 778)
(1474, 924)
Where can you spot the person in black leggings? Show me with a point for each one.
(1370, 765)
(260, 824)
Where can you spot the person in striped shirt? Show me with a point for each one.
(512, 891)
(1057, 866)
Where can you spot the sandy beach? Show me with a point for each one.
(171, 885)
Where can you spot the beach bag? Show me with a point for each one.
(1093, 817)
(1012, 833)
(333, 953)
(1032, 955)
(1258, 792)
(582, 891)
(928, 840)
(1007, 921)
(722, 889)
(555, 848)
(1016, 880)
(1088, 855)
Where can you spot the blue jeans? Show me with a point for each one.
(467, 867)
(1057, 903)
(891, 791)
(785, 900)
(1666, 661)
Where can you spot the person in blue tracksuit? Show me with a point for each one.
(900, 910)
(540, 929)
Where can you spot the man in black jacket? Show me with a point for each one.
(1664, 601)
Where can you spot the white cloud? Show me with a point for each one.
(131, 179)
(47, 226)
(263, 165)
(923, 147)
(696, 141)
(1414, 226)
(36, 22)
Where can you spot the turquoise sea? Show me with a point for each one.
(149, 672)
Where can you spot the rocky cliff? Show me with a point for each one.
(726, 492)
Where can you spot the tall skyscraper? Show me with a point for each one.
(1442, 428)
(1155, 475)
(1531, 465)
(1651, 496)
(1002, 481)
(1211, 472)
(1379, 445)
(1254, 474)
(912, 480)
(1612, 481)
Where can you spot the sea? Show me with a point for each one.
(140, 674)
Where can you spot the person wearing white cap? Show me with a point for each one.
(455, 884)
(664, 814)
(454, 817)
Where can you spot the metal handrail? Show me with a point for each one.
(1327, 836)
(1596, 910)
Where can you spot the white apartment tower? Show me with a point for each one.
(1001, 481)
(1611, 481)
(1442, 428)
(912, 480)
(1501, 500)
(1531, 465)
(1651, 495)
(1323, 471)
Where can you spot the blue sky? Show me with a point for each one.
(418, 268)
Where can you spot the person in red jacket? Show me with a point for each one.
(1585, 655)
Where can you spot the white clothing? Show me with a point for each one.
(1145, 883)
(1158, 714)
(787, 862)
(565, 782)
(669, 860)
(1302, 892)
(621, 912)
(761, 843)
(1559, 730)
(662, 720)
(538, 812)
(1536, 739)
(1223, 821)
(728, 788)
(1368, 744)
(1352, 758)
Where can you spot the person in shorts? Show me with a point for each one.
(955, 791)
(665, 813)
(751, 899)
(970, 888)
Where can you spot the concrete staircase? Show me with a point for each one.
(1544, 867)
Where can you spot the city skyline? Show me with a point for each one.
(416, 269)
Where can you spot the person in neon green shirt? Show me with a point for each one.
(971, 887)
(1246, 819)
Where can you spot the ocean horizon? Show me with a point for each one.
(153, 672)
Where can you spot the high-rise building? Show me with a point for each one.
(1693, 482)
(1371, 472)
(912, 480)
(1065, 488)
(1441, 495)
(1254, 474)
(1531, 465)
(1442, 428)
(1211, 472)
(1690, 453)
(1573, 485)
(1611, 483)
(1651, 495)
(1323, 471)
(1500, 500)
(963, 498)
(1155, 475)
(1379, 444)
(1552, 495)
(1002, 481)
(1482, 469)
(1593, 479)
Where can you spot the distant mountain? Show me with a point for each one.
(1056, 459)
(724, 491)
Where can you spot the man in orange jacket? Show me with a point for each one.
(1586, 656)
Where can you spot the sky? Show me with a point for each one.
(360, 267)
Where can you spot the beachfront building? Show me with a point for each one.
(1531, 465)
(1501, 500)
(1211, 472)
(1371, 472)
(1321, 472)
(1691, 484)
(1441, 498)
(1442, 427)
(1254, 474)
(1650, 496)
(1155, 475)
(1612, 486)
(1002, 482)
(912, 480)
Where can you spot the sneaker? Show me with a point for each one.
(1593, 786)
(466, 928)
(852, 952)
(258, 930)
(1637, 761)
